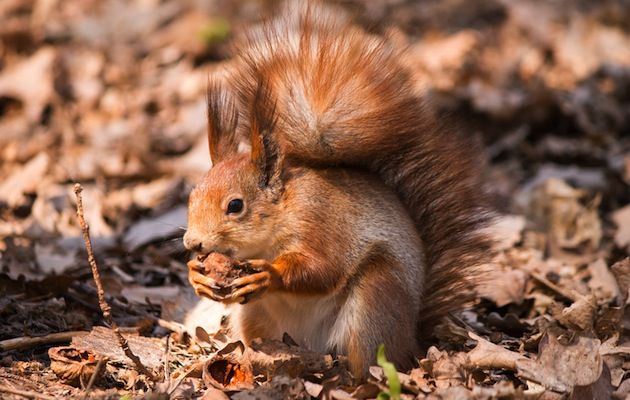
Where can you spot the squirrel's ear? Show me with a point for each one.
(222, 123)
(265, 149)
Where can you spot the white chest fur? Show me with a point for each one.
(312, 321)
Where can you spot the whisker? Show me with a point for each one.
(183, 228)
(170, 239)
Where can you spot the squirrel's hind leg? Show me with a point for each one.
(377, 311)
(252, 321)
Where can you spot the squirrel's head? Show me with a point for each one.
(233, 209)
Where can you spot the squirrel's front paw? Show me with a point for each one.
(203, 285)
(252, 286)
(223, 279)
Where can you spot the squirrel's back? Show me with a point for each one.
(344, 98)
(353, 208)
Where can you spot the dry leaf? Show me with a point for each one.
(103, 342)
(442, 58)
(31, 82)
(53, 260)
(214, 394)
(280, 387)
(163, 226)
(621, 218)
(445, 369)
(603, 283)
(507, 231)
(621, 270)
(501, 390)
(454, 393)
(366, 391)
(156, 294)
(570, 223)
(581, 48)
(72, 366)
(487, 355)
(580, 314)
(623, 391)
(601, 389)
(313, 389)
(419, 378)
(560, 368)
(24, 180)
(235, 366)
(505, 286)
(614, 362)
(230, 371)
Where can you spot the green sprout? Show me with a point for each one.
(392, 376)
(215, 31)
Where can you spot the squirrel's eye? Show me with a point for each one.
(235, 206)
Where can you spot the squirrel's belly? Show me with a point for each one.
(309, 320)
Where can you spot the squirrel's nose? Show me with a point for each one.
(191, 242)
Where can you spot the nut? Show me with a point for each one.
(223, 270)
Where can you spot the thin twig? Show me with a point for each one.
(566, 293)
(27, 342)
(167, 370)
(97, 371)
(25, 393)
(105, 308)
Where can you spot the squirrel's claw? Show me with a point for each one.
(205, 286)
(251, 286)
(240, 290)
(195, 265)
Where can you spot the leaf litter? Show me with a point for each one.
(114, 96)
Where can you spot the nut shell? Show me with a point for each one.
(223, 270)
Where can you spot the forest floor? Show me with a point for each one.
(112, 95)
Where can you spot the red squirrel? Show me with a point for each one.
(341, 264)
(340, 101)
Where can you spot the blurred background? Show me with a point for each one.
(112, 94)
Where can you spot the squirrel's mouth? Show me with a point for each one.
(201, 255)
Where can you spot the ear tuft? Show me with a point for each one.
(222, 122)
(265, 149)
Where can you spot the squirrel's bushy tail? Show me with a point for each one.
(344, 98)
